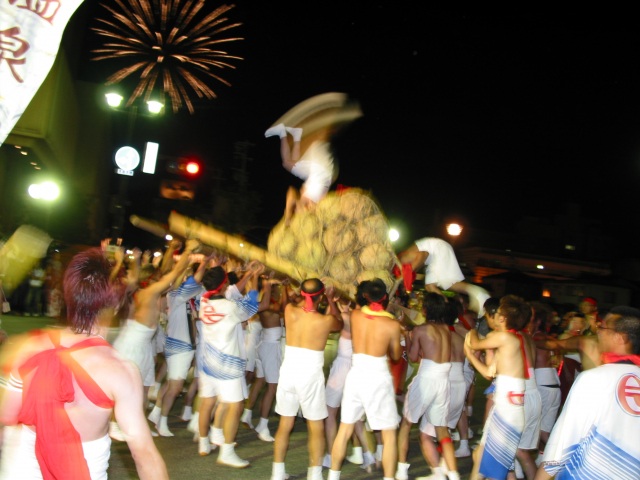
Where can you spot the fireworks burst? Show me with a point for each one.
(172, 42)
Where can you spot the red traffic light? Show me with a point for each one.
(186, 167)
(192, 168)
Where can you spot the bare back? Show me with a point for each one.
(117, 378)
(431, 341)
(375, 335)
(269, 318)
(457, 347)
(309, 330)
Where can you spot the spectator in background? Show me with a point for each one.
(589, 308)
(35, 292)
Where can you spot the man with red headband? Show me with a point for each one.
(368, 387)
(596, 434)
(302, 383)
(222, 311)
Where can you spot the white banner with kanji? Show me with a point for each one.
(30, 35)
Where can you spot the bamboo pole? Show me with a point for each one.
(189, 228)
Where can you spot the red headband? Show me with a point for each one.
(308, 302)
(377, 306)
(211, 293)
(591, 301)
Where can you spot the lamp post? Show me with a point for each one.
(126, 158)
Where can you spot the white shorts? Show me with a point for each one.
(457, 394)
(442, 266)
(550, 398)
(369, 390)
(469, 373)
(159, 340)
(178, 365)
(136, 343)
(301, 384)
(532, 418)
(227, 391)
(270, 357)
(429, 394)
(19, 460)
(336, 380)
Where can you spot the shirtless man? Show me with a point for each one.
(443, 271)
(546, 374)
(269, 354)
(136, 339)
(429, 392)
(375, 333)
(302, 382)
(340, 367)
(457, 397)
(64, 384)
(532, 406)
(508, 368)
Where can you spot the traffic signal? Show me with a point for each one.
(185, 166)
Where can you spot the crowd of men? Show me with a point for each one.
(192, 317)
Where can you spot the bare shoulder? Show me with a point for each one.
(113, 372)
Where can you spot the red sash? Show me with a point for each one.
(58, 444)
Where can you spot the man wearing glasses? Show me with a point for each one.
(596, 435)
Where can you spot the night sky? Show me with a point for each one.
(484, 118)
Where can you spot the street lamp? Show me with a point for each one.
(454, 229)
(127, 158)
(393, 234)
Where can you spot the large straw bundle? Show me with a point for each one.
(345, 238)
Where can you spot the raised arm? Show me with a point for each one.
(166, 264)
(178, 269)
(202, 268)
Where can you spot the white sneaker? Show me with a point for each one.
(192, 426)
(115, 432)
(470, 434)
(265, 435)
(216, 436)
(462, 452)
(154, 416)
(356, 456)
(455, 435)
(164, 432)
(402, 473)
(296, 133)
(187, 413)
(245, 419)
(278, 130)
(228, 456)
(204, 446)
